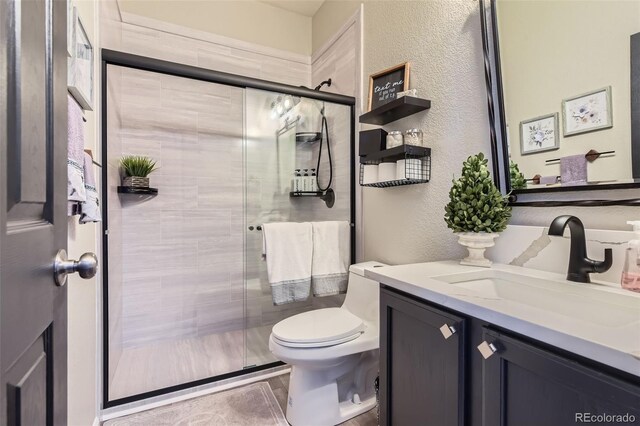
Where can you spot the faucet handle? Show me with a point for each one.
(604, 266)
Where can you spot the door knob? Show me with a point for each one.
(86, 267)
(447, 330)
(487, 349)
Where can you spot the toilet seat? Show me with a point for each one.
(318, 328)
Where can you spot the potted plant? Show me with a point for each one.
(136, 170)
(517, 178)
(477, 211)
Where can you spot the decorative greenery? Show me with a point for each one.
(517, 178)
(476, 203)
(139, 166)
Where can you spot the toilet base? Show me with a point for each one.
(322, 397)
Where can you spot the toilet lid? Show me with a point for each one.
(319, 327)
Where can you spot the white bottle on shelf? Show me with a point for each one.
(297, 181)
(313, 183)
(306, 181)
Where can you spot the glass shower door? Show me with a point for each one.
(272, 154)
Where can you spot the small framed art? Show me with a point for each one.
(384, 85)
(587, 112)
(80, 72)
(539, 134)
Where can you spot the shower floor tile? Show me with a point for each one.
(172, 362)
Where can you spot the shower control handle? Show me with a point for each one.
(86, 267)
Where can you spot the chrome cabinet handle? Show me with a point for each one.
(487, 349)
(447, 330)
(86, 267)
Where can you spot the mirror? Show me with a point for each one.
(564, 84)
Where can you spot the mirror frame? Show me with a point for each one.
(541, 197)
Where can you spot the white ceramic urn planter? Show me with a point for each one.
(477, 243)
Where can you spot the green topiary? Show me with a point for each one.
(517, 178)
(476, 203)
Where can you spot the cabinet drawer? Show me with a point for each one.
(421, 363)
(526, 385)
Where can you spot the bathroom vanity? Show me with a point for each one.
(504, 346)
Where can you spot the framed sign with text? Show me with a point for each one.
(384, 85)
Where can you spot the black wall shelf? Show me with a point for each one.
(414, 172)
(137, 191)
(396, 153)
(395, 110)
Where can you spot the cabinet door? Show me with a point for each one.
(525, 385)
(421, 364)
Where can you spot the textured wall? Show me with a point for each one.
(441, 39)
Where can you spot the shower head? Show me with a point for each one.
(308, 136)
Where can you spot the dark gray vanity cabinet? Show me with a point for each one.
(421, 364)
(427, 379)
(525, 385)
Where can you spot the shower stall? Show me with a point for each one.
(186, 299)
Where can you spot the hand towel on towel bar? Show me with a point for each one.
(573, 170)
(330, 264)
(288, 247)
(90, 209)
(75, 156)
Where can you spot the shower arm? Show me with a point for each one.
(319, 86)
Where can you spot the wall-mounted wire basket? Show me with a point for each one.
(415, 161)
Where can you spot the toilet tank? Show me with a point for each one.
(363, 294)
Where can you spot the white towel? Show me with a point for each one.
(330, 266)
(90, 209)
(75, 156)
(288, 249)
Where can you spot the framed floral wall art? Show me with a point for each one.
(80, 65)
(587, 112)
(539, 134)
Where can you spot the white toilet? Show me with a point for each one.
(333, 353)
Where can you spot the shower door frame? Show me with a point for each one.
(143, 63)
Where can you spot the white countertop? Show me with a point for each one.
(598, 339)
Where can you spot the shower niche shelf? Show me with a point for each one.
(417, 165)
(150, 192)
(395, 110)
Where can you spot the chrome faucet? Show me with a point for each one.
(580, 266)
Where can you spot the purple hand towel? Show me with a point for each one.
(573, 169)
(548, 180)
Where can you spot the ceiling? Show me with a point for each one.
(302, 7)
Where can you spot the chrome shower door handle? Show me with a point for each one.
(86, 267)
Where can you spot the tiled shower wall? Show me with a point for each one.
(182, 251)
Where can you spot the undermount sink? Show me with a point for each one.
(592, 303)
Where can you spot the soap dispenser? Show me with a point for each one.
(631, 271)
